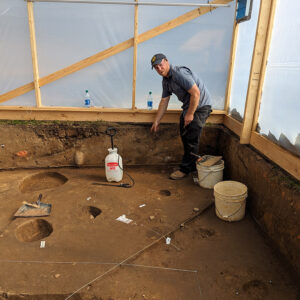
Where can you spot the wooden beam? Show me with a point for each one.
(135, 43)
(17, 92)
(125, 45)
(264, 65)
(277, 154)
(86, 62)
(195, 13)
(87, 114)
(256, 69)
(231, 63)
(34, 54)
(233, 124)
(129, 43)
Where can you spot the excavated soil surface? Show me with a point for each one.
(81, 251)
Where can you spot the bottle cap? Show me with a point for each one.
(150, 93)
(86, 91)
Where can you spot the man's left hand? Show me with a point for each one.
(188, 118)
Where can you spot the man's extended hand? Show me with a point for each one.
(188, 118)
(155, 127)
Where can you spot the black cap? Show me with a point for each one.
(157, 58)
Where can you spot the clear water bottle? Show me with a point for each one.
(87, 99)
(149, 101)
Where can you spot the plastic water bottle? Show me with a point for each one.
(149, 101)
(87, 99)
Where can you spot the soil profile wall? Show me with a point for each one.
(274, 196)
(35, 144)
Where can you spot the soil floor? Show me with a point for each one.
(88, 254)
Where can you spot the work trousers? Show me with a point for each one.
(190, 136)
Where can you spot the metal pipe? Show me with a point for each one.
(134, 3)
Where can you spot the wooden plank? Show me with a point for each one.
(17, 92)
(124, 45)
(233, 125)
(195, 13)
(231, 64)
(256, 68)
(129, 43)
(86, 62)
(135, 43)
(277, 154)
(264, 65)
(86, 114)
(34, 54)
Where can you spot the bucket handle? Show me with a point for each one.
(205, 176)
(226, 217)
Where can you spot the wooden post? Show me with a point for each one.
(34, 54)
(264, 65)
(235, 31)
(113, 50)
(135, 44)
(256, 68)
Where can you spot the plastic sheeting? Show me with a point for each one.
(202, 44)
(280, 105)
(67, 33)
(15, 58)
(242, 64)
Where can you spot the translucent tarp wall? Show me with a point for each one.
(280, 104)
(202, 44)
(15, 58)
(242, 63)
(67, 33)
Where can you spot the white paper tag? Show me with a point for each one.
(168, 240)
(196, 180)
(142, 205)
(43, 243)
(124, 219)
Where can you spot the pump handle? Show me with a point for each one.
(111, 131)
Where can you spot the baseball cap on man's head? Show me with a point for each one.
(157, 58)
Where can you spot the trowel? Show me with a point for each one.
(37, 209)
(207, 160)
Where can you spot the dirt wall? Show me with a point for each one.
(32, 144)
(274, 196)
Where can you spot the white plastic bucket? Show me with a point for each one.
(230, 200)
(209, 176)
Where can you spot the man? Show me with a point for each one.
(190, 90)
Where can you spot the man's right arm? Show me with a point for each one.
(163, 105)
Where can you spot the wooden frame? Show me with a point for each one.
(97, 114)
(135, 44)
(283, 158)
(233, 124)
(113, 50)
(280, 156)
(231, 64)
(34, 54)
(262, 40)
(264, 64)
(245, 130)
